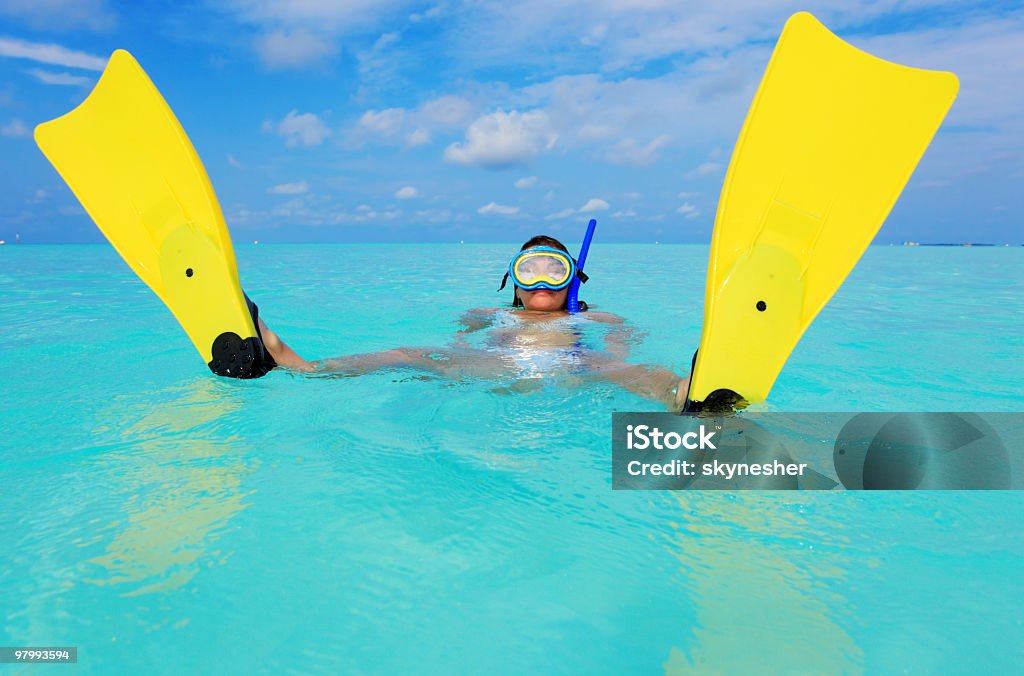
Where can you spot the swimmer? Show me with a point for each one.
(534, 338)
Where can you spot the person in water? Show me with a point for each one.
(532, 339)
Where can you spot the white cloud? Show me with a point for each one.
(564, 213)
(67, 79)
(234, 162)
(327, 15)
(448, 111)
(293, 208)
(687, 195)
(501, 140)
(365, 216)
(688, 210)
(593, 205)
(610, 35)
(386, 39)
(305, 129)
(407, 193)
(380, 66)
(595, 132)
(625, 213)
(55, 55)
(418, 137)
(636, 121)
(384, 122)
(293, 49)
(15, 129)
(627, 151)
(50, 15)
(705, 169)
(434, 216)
(297, 188)
(526, 182)
(418, 126)
(432, 13)
(295, 34)
(498, 209)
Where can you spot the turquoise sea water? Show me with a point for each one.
(162, 519)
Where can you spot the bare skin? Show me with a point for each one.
(536, 331)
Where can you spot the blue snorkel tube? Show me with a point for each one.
(574, 287)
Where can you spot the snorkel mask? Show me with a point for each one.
(542, 267)
(545, 267)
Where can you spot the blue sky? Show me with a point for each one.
(387, 120)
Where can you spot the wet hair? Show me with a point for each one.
(544, 240)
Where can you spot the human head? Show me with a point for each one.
(541, 300)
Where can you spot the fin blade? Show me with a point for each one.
(127, 159)
(830, 141)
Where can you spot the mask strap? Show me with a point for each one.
(504, 281)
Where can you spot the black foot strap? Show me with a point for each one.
(237, 357)
(720, 401)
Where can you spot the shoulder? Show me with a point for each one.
(604, 317)
(478, 318)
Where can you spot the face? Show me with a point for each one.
(543, 300)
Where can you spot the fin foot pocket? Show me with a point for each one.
(235, 357)
(719, 401)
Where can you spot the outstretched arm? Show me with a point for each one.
(620, 337)
(282, 354)
(474, 320)
(647, 380)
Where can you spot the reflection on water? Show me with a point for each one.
(181, 482)
(763, 595)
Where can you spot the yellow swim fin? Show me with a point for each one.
(830, 140)
(128, 161)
